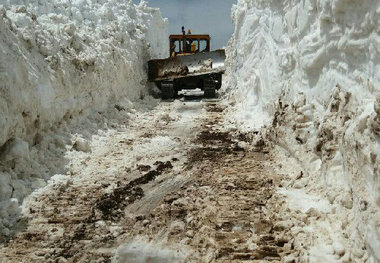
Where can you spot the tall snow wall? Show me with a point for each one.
(60, 59)
(307, 73)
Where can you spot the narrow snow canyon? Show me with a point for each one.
(283, 166)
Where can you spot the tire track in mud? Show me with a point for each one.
(224, 210)
(74, 216)
(227, 212)
(110, 204)
(244, 224)
(81, 218)
(110, 208)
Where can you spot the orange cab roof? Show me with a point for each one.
(192, 36)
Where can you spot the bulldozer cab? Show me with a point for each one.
(182, 45)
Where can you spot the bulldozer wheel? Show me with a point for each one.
(209, 89)
(167, 91)
(209, 93)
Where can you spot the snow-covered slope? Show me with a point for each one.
(60, 59)
(309, 72)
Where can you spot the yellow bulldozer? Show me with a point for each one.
(191, 65)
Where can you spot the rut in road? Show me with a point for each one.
(227, 212)
(207, 197)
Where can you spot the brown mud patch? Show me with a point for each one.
(224, 209)
(227, 212)
(112, 204)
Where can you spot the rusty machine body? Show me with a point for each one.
(191, 65)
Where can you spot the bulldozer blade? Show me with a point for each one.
(185, 66)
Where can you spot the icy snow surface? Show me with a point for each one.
(140, 252)
(63, 64)
(307, 73)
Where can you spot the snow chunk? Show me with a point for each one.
(82, 145)
(147, 252)
(300, 200)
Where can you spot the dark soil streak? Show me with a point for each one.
(111, 205)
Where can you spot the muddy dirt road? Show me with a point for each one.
(171, 187)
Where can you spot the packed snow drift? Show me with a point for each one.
(307, 73)
(60, 60)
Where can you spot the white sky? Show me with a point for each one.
(211, 17)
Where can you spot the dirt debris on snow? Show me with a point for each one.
(204, 200)
(225, 212)
(316, 96)
(111, 204)
(63, 62)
